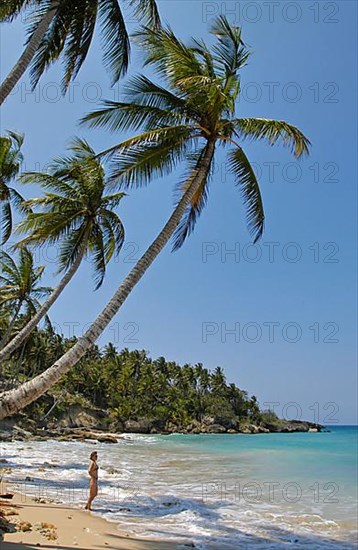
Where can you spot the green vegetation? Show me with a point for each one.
(129, 385)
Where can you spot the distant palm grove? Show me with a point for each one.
(175, 123)
(128, 385)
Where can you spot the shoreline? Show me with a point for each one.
(183, 510)
(21, 431)
(59, 526)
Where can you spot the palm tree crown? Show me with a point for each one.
(75, 211)
(196, 106)
(67, 29)
(19, 284)
(10, 163)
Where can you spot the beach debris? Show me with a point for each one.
(44, 525)
(9, 512)
(28, 478)
(112, 471)
(49, 465)
(24, 526)
(47, 530)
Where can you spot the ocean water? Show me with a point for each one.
(224, 492)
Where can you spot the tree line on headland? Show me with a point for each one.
(126, 390)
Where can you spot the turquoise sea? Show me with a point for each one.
(223, 492)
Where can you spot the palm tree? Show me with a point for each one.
(185, 121)
(60, 27)
(75, 213)
(19, 287)
(10, 163)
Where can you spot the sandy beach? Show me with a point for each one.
(52, 526)
(160, 492)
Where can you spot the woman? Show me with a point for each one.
(93, 472)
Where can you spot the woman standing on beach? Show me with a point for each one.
(93, 472)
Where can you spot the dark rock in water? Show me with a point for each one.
(50, 465)
(141, 426)
(5, 435)
(107, 439)
(169, 503)
(116, 426)
(228, 423)
(216, 429)
(112, 471)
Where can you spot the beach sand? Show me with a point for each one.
(56, 526)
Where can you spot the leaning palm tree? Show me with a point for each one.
(19, 288)
(63, 27)
(185, 121)
(77, 215)
(10, 163)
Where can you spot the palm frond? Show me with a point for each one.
(136, 163)
(53, 42)
(72, 245)
(147, 11)
(231, 52)
(273, 131)
(172, 59)
(5, 222)
(10, 9)
(250, 190)
(198, 202)
(116, 46)
(118, 116)
(96, 248)
(78, 40)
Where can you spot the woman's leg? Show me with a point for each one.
(92, 495)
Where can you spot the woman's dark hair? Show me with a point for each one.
(92, 454)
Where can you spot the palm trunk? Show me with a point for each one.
(11, 324)
(17, 399)
(28, 54)
(34, 321)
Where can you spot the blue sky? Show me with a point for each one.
(279, 317)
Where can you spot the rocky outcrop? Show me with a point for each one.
(77, 416)
(140, 426)
(289, 426)
(85, 424)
